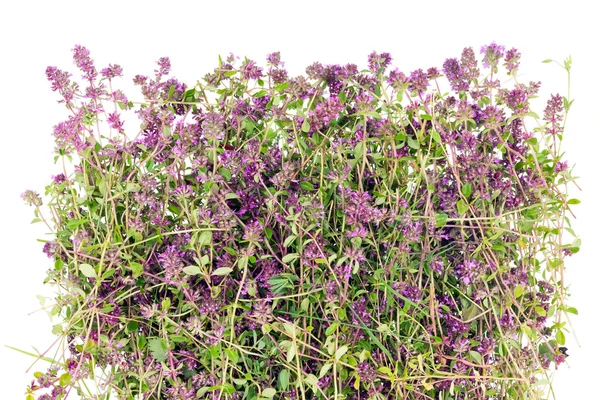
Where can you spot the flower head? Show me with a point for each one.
(492, 54)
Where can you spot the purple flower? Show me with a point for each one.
(366, 372)
(462, 345)
(418, 81)
(253, 231)
(324, 113)
(343, 271)
(553, 114)
(516, 100)
(164, 67)
(250, 70)
(492, 53)
(213, 126)
(184, 191)
(486, 347)
(378, 63)
(114, 121)
(315, 70)
(59, 79)
(511, 60)
(278, 75)
(50, 249)
(455, 75)
(112, 71)
(274, 59)
(81, 57)
(468, 63)
(469, 271)
(437, 265)
(58, 179)
(432, 73)
(560, 166)
(360, 314)
(31, 198)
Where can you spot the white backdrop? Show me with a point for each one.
(134, 34)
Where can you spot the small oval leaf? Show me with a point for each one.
(222, 271)
(192, 270)
(340, 352)
(87, 270)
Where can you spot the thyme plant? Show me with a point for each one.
(358, 234)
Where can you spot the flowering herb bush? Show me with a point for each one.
(344, 234)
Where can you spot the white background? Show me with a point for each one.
(418, 34)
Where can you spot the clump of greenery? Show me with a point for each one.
(344, 234)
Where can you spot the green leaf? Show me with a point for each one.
(540, 311)
(573, 201)
(192, 270)
(560, 337)
(290, 257)
(470, 312)
(108, 273)
(281, 87)
(242, 262)
(260, 93)
(284, 379)
(269, 393)
(136, 269)
(227, 388)
(546, 61)
(305, 304)
(436, 136)
(291, 353)
(64, 379)
(462, 207)
(158, 348)
(340, 352)
(331, 328)
(305, 126)
(476, 357)
(87, 270)
(359, 150)
(230, 196)
(413, 144)
(312, 380)
(440, 220)
(289, 240)
(572, 310)
(268, 232)
(205, 238)
(518, 291)
(466, 189)
(385, 370)
(532, 115)
(222, 271)
(57, 329)
(306, 185)
(132, 326)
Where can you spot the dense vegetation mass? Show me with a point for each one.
(345, 234)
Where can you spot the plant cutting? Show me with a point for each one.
(348, 233)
